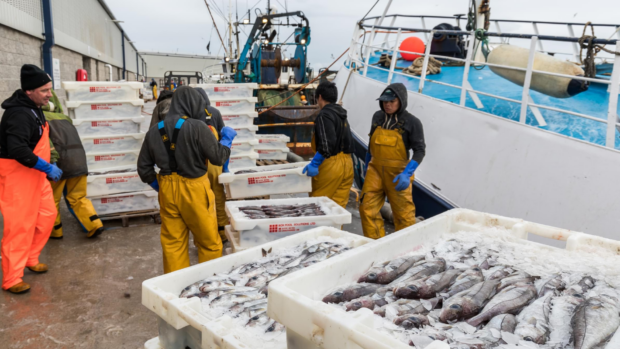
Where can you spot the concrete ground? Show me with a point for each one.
(91, 296)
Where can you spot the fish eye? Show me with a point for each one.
(270, 329)
(455, 306)
(357, 304)
(528, 339)
(476, 269)
(413, 288)
(255, 318)
(372, 275)
(338, 294)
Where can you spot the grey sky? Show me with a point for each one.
(185, 25)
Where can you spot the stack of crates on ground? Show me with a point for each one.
(238, 108)
(108, 118)
(245, 232)
(272, 147)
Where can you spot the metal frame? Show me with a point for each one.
(535, 41)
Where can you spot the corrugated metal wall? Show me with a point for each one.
(23, 15)
(82, 26)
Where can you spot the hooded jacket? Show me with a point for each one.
(332, 134)
(194, 146)
(413, 133)
(64, 138)
(20, 129)
(161, 107)
(213, 116)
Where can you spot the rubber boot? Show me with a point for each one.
(94, 233)
(21, 287)
(39, 268)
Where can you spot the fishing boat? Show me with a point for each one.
(514, 124)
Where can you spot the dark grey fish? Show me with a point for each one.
(551, 285)
(335, 297)
(503, 323)
(508, 301)
(595, 321)
(533, 321)
(582, 287)
(364, 302)
(408, 306)
(466, 280)
(562, 308)
(396, 268)
(518, 277)
(427, 287)
(468, 303)
(359, 290)
(498, 272)
(373, 273)
(421, 270)
(410, 321)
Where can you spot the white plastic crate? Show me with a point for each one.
(233, 237)
(245, 133)
(269, 180)
(107, 127)
(100, 144)
(237, 105)
(272, 141)
(102, 90)
(126, 202)
(222, 91)
(181, 320)
(105, 109)
(242, 146)
(257, 231)
(115, 183)
(269, 153)
(104, 160)
(245, 119)
(242, 160)
(296, 301)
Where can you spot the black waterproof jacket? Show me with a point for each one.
(413, 133)
(213, 117)
(332, 133)
(20, 129)
(195, 144)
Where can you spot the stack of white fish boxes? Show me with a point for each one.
(238, 108)
(108, 118)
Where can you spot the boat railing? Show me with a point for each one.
(358, 61)
(569, 26)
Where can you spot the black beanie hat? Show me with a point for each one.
(32, 77)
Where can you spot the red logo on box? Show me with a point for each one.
(222, 89)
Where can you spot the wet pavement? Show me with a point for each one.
(91, 296)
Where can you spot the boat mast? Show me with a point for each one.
(230, 43)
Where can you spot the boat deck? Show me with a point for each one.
(592, 102)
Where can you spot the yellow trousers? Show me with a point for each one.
(187, 204)
(213, 172)
(74, 190)
(335, 179)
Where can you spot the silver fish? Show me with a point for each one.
(191, 290)
(533, 321)
(427, 287)
(239, 308)
(508, 301)
(468, 303)
(275, 327)
(562, 310)
(551, 285)
(518, 277)
(466, 280)
(258, 320)
(595, 320)
(209, 286)
(230, 299)
(317, 256)
(225, 290)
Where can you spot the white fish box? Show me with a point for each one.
(245, 133)
(181, 322)
(105, 160)
(242, 146)
(233, 106)
(233, 237)
(126, 202)
(102, 90)
(269, 153)
(243, 160)
(296, 301)
(107, 127)
(268, 180)
(105, 109)
(115, 183)
(234, 120)
(272, 141)
(261, 229)
(100, 144)
(224, 91)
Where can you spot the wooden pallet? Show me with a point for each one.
(124, 216)
(270, 162)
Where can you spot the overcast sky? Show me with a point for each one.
(184, 26)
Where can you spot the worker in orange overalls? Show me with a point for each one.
(26, 198)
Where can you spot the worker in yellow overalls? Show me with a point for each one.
(180, 147)
(331, 167)
(216, 123)
(154, 88)
(389, 168)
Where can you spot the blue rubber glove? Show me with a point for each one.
(228, 134)
(52, 171)
(313, 167)
(225, 168)
(368, 158)
(155, 185)
(402, 180)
